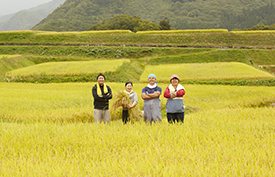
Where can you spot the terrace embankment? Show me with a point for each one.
(136, 45)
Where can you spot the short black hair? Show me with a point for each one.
(129, 82)
(100, 75)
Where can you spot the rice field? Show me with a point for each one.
(230, 134)
(73, 102)
(75, 68)
(205, 71)
(82, 32)
(9, 56)
(184, 31)
(253, 32)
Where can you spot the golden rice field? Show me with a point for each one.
(184, 31)
(81, 32)
(9, 56)
(228, 135)
(68, 68)
(205, 71)
(253, 31)
(73, 101)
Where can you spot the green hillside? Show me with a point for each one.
(75, 15)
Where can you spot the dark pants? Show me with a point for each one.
(125, 117)
(173, 117)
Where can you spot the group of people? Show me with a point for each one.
(150, 94)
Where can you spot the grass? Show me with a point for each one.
(210, 143)
(205, 71)
(193, 38)
(254, 31)
(12, 62)
(9, 56)
(230, 134)
(73, 102)
(184, 31)
(82, 32)
(67, 68)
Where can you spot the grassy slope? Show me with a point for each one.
(8, 63)
(134, 69)
(196, 39)
(142, 55)
(202, 71)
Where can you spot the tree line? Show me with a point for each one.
(133, 23)
(80, 15)
(258, 18)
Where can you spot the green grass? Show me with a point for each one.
(205, 71)
(227, 39)
(258, 57)
(12, 62)
(68, 68)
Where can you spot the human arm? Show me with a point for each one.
(135, 101)
(150, 95)
(109, 95)
(180, 93)
(96, 97)
(167, 93)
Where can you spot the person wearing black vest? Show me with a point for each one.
(102, 94)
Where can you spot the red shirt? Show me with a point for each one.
(179, 93)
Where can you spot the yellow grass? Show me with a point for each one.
(106, 31)
(184, 31)
(68, 68)
(225, 137)
(205, 71)
(19, 31)
(254, 31)
(82, 32)
(73, 101)
(9, 56)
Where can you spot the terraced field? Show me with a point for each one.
(47, 128)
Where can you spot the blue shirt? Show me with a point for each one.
(148, 90)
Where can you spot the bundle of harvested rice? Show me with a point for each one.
(122, 100)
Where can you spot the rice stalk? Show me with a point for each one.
(122, 100)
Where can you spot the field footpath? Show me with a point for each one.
(135, 45)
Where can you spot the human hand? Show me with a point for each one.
(130, 105)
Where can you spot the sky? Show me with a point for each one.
(12, 6)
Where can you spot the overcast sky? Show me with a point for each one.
(12, 6)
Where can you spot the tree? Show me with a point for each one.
(164, 24)
(147, 26)
(125, 22)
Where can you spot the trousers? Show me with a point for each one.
(173, 117)
(102, 115)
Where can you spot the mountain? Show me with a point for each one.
(26, 19)
(5, 17)
(79, 15)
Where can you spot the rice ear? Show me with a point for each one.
(122, 99)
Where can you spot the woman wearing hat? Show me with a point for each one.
(174, 105)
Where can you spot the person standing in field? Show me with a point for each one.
(133, 98)
(152, 104)
(102, 94)
(174, 105)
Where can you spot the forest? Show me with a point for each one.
(80, 15)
